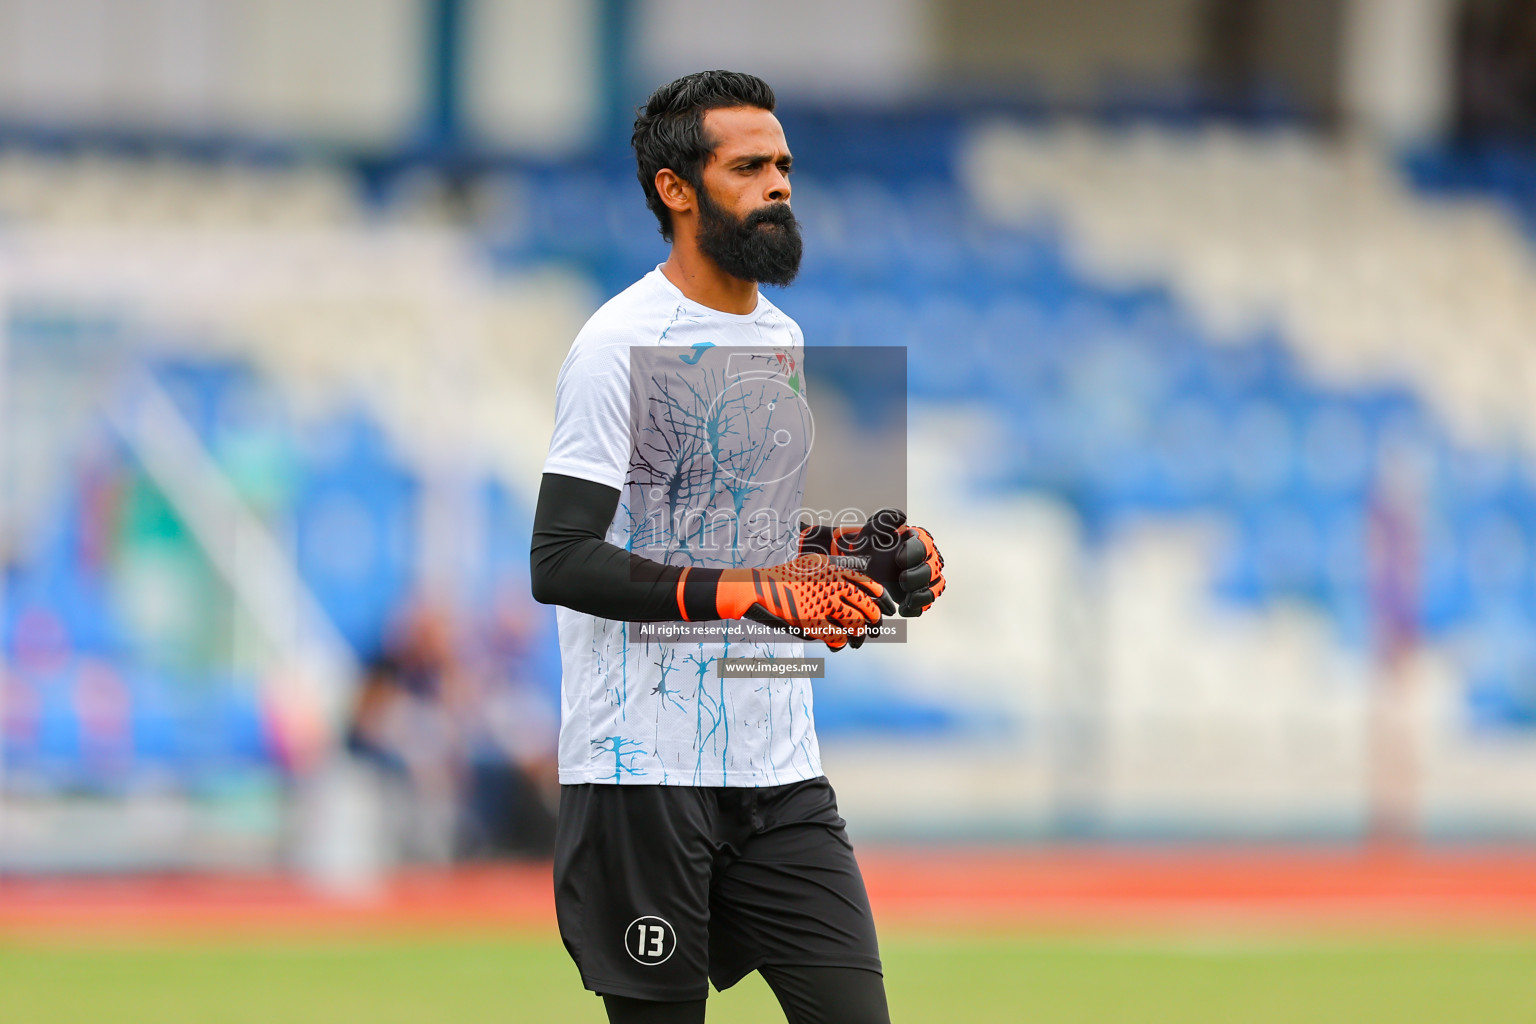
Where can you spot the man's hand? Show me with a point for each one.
(808, 596)
(921, 577)
(903, 559)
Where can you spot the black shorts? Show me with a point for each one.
(661, 889)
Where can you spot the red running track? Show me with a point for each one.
(1090, 889)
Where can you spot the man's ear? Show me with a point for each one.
(676, 194)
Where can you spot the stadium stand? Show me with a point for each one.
(1219, 459)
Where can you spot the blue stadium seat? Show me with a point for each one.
(355, 531)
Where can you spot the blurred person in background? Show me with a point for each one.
(698, 839)
(462, 742)
(510, 729)
(407, 723)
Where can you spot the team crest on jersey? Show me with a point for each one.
(650, 940)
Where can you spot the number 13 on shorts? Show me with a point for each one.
(650, 940)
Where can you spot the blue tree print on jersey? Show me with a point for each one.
(706, 705)
(621, 749)
(805, 705)
(668, 698)
(767, 689)
(667, 695)
(733, 420)
(703, 489)
(677, 466)
(702, 440)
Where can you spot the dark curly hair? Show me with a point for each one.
(669, 131)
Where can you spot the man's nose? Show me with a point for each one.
(778, 188)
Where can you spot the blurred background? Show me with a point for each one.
(1222, 408)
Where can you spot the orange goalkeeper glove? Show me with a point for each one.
(808, 596)
(903, 559)
(920, 579)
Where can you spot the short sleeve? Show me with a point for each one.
(591, 439)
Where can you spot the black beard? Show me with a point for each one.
(743, 248)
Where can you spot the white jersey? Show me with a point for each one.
(682, 408)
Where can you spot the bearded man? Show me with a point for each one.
(698, 839)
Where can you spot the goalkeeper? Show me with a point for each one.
(698, 839)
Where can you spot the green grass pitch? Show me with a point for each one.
(948, 979)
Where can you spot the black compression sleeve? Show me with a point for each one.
(828, 995)
(572, 565)
(624, 1010)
